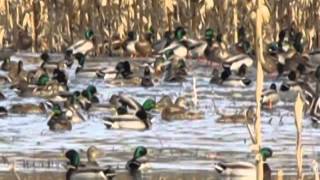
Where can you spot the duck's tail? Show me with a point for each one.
(219, 167)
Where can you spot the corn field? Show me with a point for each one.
(55, 24)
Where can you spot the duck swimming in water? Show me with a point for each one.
(245, 169)
(76, 172)
(136, 163)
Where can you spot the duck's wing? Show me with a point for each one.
(239, 165)
(130, 102)
(125, 117)
(172, 46)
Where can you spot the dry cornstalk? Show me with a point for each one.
(298, 109)
(259, 86)
(315, 169)
(280, 174)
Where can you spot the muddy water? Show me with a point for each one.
(177, 150)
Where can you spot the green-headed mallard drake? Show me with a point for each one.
(146, 79)
(76, 172)
(138, 121)
(144, 45)
(58, 121)
(177, 48)
(245, 169)
(270, 96)
(247, 117)
(136, 163)
(129, 45)
(199, 49)
(28, 108)
(83, 46)
(3, 111)
(179, 111)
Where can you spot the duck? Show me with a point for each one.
(198, 49)
(144, 45)
(164, 102)
(290, 89)
(92, 153)
(129, 45)
(115, 50)
(137, 163)
(28, 108)
(125, 75)
(76, 172)
(83, 46)
(58, 121)
(176, 71)
(146, 80)
(312, 102)
(179, 111)
(177, 48)
(17, 73)
(3, 111)
(233, 81)
(138, 121)
(245, 169)
(270, 97)
(5, 66)
(247, 117)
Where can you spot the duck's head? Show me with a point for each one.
(73, 157)
(209, 34)
(89, 34)
(45, 56)
(132, 35)
(56, 110)
(273, 48)
(90, 93)
(43, 80)
(266, 153)
(92, 153)
(273, 86)
(147, 71)
(292, 76)
(181, 102)
(149, 104)
(179, 33)
(226, 73)
(140, 152)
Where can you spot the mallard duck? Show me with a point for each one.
(233, 81)
(83, 46)
(164, 102)
(60, 76)
(144, 45)
(3, 111)
(247, 117)
(179, 111)
(136, 163)
(58, 121)
(177, 48)
(5, 66)
(176, 71)
(116, 49)
(270, 96)
(137, 121)
(245, 168)
(146, 80)
(129, 45)
(92, 153)
(28, 108)
(199, 49)
(312, 102)
(290, 89)
(238, 62)
(75, 172)
(17, 73)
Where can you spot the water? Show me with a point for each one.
(174, 147)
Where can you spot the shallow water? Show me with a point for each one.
(181, 146)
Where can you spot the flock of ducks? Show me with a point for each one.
(285, 60)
